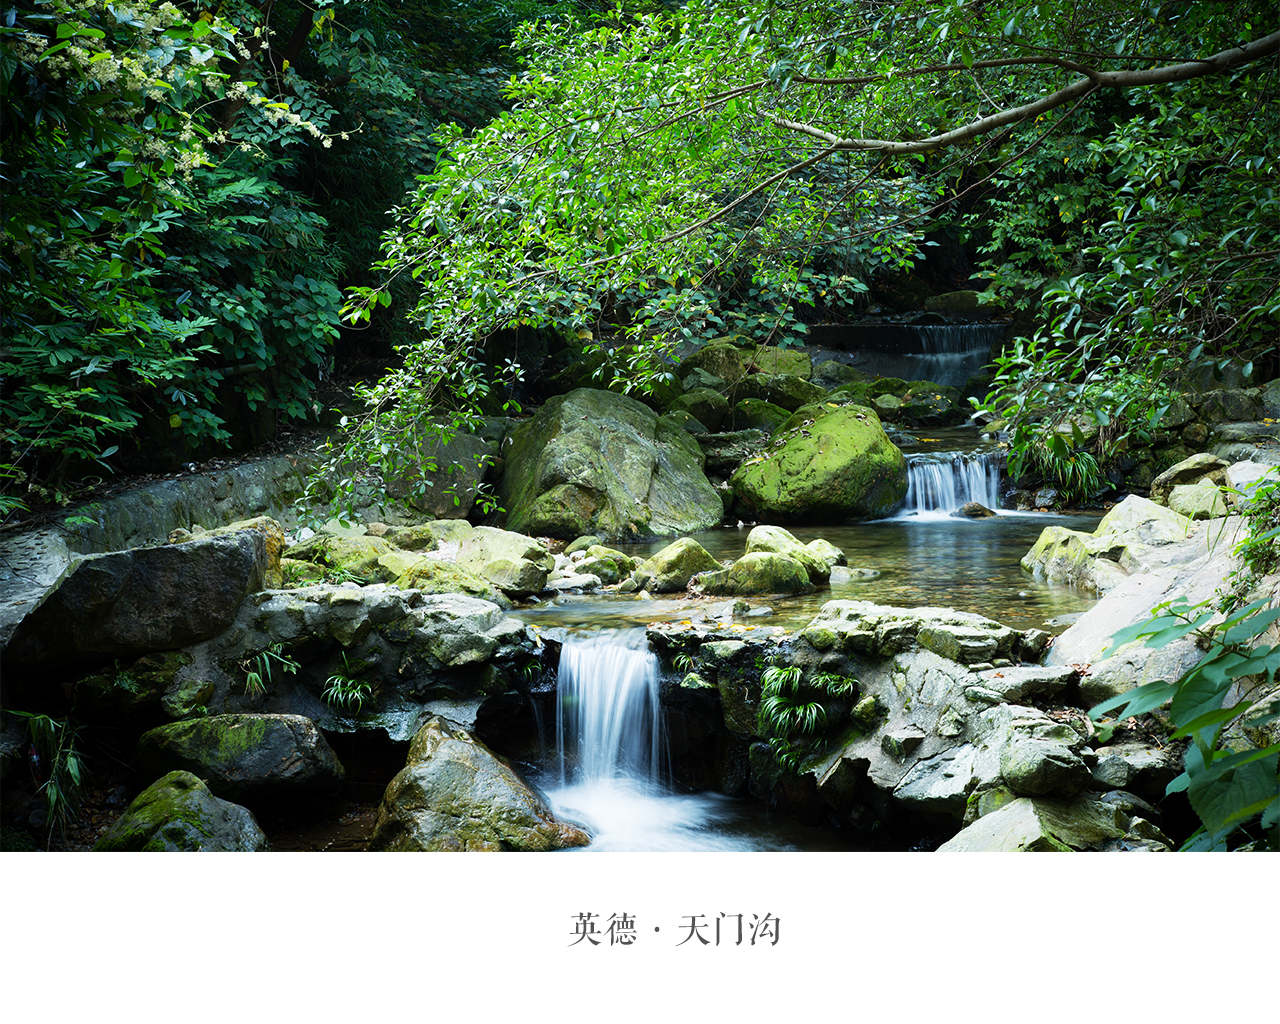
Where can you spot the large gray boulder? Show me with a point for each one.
(249, 758)
(455, 795)
(1031, 825)
(595, 462)
(1136, 536)
(178, 813)
(126, 603)
(1201, 466)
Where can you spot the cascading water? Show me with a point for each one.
(940, 482)
(947, 354)
(952, 353)
(607, 713)
(611, 760)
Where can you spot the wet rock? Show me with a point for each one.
(1202, 466)
(708, 407)
(515, 564)
(126, 603)
(1040, 824)
(758, 573)
(843, 466)
(757, 414)
(779, 541)
(409, 571)
(610, 565)
(455, 795)
(249, 758)
(780, 390)
(669, 570)
(178, 813)
(973, 510)
(596, 462)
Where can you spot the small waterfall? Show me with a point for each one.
(943, 481)
(951, 354)
(607, 713)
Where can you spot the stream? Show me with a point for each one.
(607, 770)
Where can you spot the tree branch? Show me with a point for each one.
(1185, 71)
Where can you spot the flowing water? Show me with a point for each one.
(609, 768)
(608, 771)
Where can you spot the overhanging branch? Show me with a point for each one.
(1185, 71)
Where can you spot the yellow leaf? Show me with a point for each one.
(175, 421)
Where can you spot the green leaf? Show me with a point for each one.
(1136, 702)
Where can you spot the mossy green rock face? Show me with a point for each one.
(345, 552)
(756, 574)
(179, 814)
(610, 565)
(843, 466)
(245, 757)
(782, 389)
(595, 462)
(454, 794)
(757, 414)
(515, 564)
(779, 541)
(710, 408)
(932, 405)
(433, 576)
(669, 570)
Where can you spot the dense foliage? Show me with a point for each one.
(187, 191)
(744, 166)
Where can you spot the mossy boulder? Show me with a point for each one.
(721, 359)
(595, 462)
(610, 565)
(178, 813)
(758, 414)
(833, 374)
(248, 758)
(436, 576)
(779, 541)
(455, 795)
(669, 570)
(841, 467)
(710, 408)
(769, 359)
(515, 564)
(853, 394)
(932, 405)
(782, 389)
(345, 552)
(757, 573)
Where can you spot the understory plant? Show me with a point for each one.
(346, 692)
(793, 711)
(58, 769)
(258, 668)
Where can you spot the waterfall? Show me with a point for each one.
(951, 354)
(607, 713)
(943, 481)
(947, 354)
